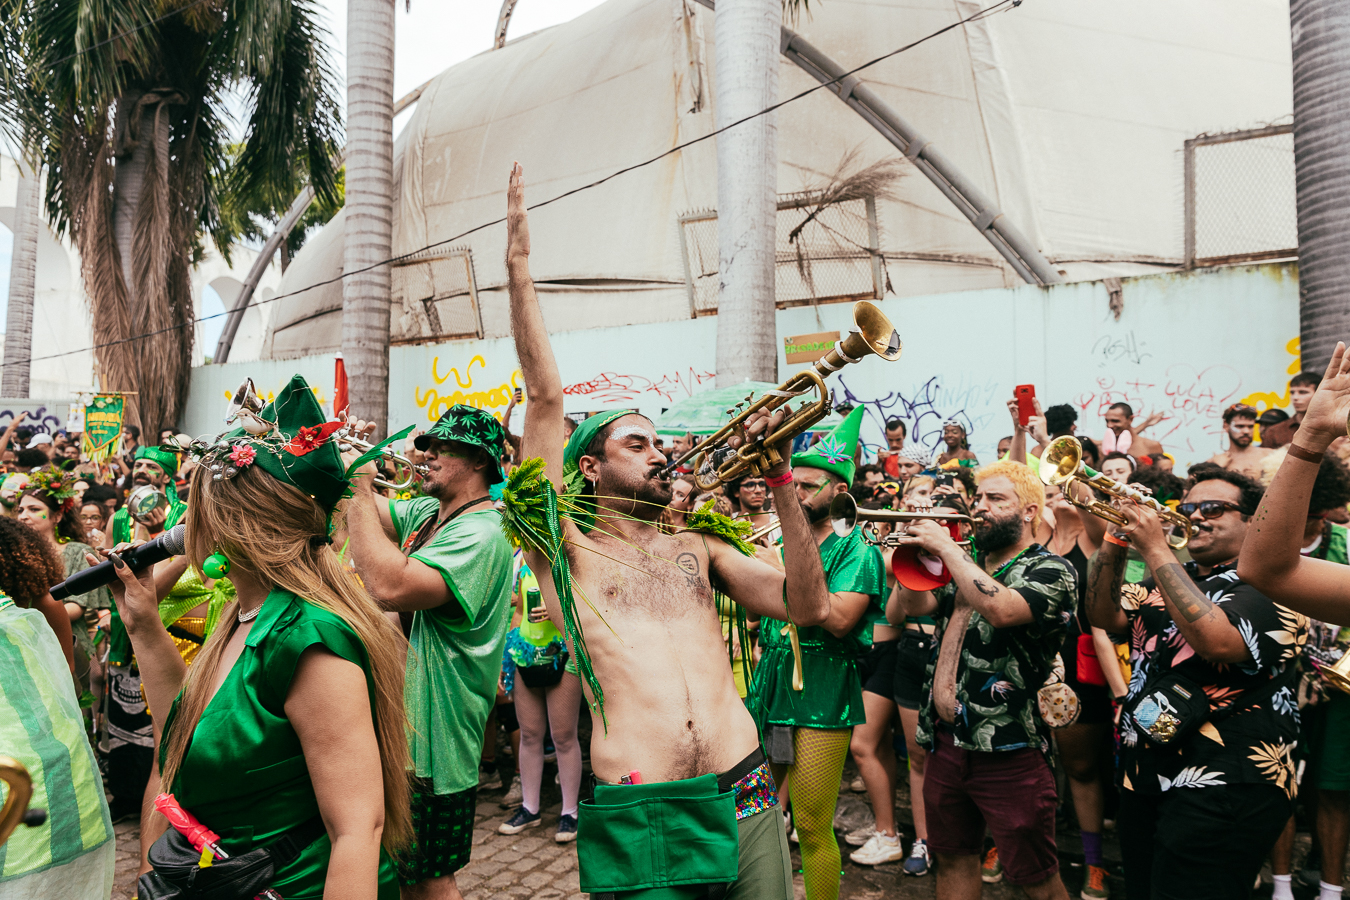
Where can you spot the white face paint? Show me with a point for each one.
(625, 432)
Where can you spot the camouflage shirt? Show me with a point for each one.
(1001, 669)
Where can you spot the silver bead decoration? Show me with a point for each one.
(231, 472)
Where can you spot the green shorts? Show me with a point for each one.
(1333, 771)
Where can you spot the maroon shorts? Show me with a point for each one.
(1012, 791)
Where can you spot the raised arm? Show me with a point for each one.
(543, 435)
(1271, 560)
(162, 668)
(1106, 574)
(9, 431)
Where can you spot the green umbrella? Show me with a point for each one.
(705, 412)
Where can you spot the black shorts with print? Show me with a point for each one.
(442, 833)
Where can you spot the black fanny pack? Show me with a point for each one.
(1172, 707)
(178, 875)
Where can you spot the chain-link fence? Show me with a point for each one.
(826, 253)
(1240, 201)
(435, 297)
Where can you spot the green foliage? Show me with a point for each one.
(730, 530)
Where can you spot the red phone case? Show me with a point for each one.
(1026, 407)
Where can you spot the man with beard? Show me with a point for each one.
(130, 729)
(1205, 788)
(1239, 421)
(1000, 622)
(442, 557)
(807, 731)
(683, 793)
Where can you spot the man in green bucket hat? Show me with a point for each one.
(450, 566)
(684, 803)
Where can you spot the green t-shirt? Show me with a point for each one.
(455, 650)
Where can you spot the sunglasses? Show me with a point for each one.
(1209, 509)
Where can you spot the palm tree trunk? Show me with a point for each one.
(1321, 36)
(747, 35)
(369, 205)
(22, 286)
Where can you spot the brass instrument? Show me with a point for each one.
(347, 440)
(15, 812)
(845, 515)
(1335, 672)
(1062, 465)
(144, 501)
(715, 463)
(757, 536)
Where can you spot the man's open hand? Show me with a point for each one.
(517, 220)
(1325, 419)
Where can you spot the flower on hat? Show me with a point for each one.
(310, 438)
(243, 455)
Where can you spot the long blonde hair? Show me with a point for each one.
(265, 527)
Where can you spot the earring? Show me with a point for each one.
(217, 565)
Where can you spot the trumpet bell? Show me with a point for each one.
(1061, 460)
(843, 514)
(875, 330)
(1338, 675)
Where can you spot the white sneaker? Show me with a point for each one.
(860, 836)
(513, 795)
(793, 837)
(857, 785)
(879, 849)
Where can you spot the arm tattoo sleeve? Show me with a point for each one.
(1177, 586)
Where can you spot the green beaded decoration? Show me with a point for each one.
(217, 565)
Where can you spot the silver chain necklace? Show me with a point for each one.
(250, 616)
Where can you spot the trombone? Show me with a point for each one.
(845, 515)
(1062, 465)
(714, 462)
(347, 440)
(757, 536)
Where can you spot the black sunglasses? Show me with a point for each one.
(1209, 509)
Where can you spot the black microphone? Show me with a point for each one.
(170, 543)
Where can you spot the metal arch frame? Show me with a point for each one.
(992, 222)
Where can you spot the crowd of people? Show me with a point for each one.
(321, 674)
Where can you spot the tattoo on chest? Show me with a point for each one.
(1177, 586)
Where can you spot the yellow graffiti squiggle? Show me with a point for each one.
(1264, 400)
(437, 404)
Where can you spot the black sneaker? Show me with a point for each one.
(519, 821)
(567, 829)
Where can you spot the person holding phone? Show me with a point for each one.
(547, 694)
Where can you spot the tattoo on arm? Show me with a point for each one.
(1106, 574)
(984, 587)
(1177, 586)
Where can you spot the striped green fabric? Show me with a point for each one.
(40, 726)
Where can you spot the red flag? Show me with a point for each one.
(340, 388)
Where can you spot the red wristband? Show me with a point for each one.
(1305, 454)
(1112, 539)
(780, 480)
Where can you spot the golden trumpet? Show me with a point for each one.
(714, 462)
(15, 812)
(347, 440)
(845, 515)
(1062, 465)
(756, 536)
(1334, 673)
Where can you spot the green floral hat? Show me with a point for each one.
(835, 452)
(469, 425)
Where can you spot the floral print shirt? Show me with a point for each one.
(1001, 669)
(1249, 746)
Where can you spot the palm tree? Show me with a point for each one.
(22, 285)
(369, 204)
(125, 103)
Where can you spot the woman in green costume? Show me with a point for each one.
(290, 720)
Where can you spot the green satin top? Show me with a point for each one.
(244, 774)
(832, 690)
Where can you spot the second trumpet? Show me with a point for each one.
(845, 515)
(347, 440)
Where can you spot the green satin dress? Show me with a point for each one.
(831, 695)
(244, 774)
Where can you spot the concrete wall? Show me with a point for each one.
(1185, 345)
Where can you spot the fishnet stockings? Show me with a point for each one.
(813, 785)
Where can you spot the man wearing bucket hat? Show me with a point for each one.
(450, 566)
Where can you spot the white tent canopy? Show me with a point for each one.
(1069, 114)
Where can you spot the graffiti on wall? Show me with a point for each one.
(40, 418)
(611, 388)
(975, 404)
(437, 400)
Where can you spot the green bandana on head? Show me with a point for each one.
(574, 483)
(834, 453)
(166, 460)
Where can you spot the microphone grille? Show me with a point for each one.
(175, 540)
